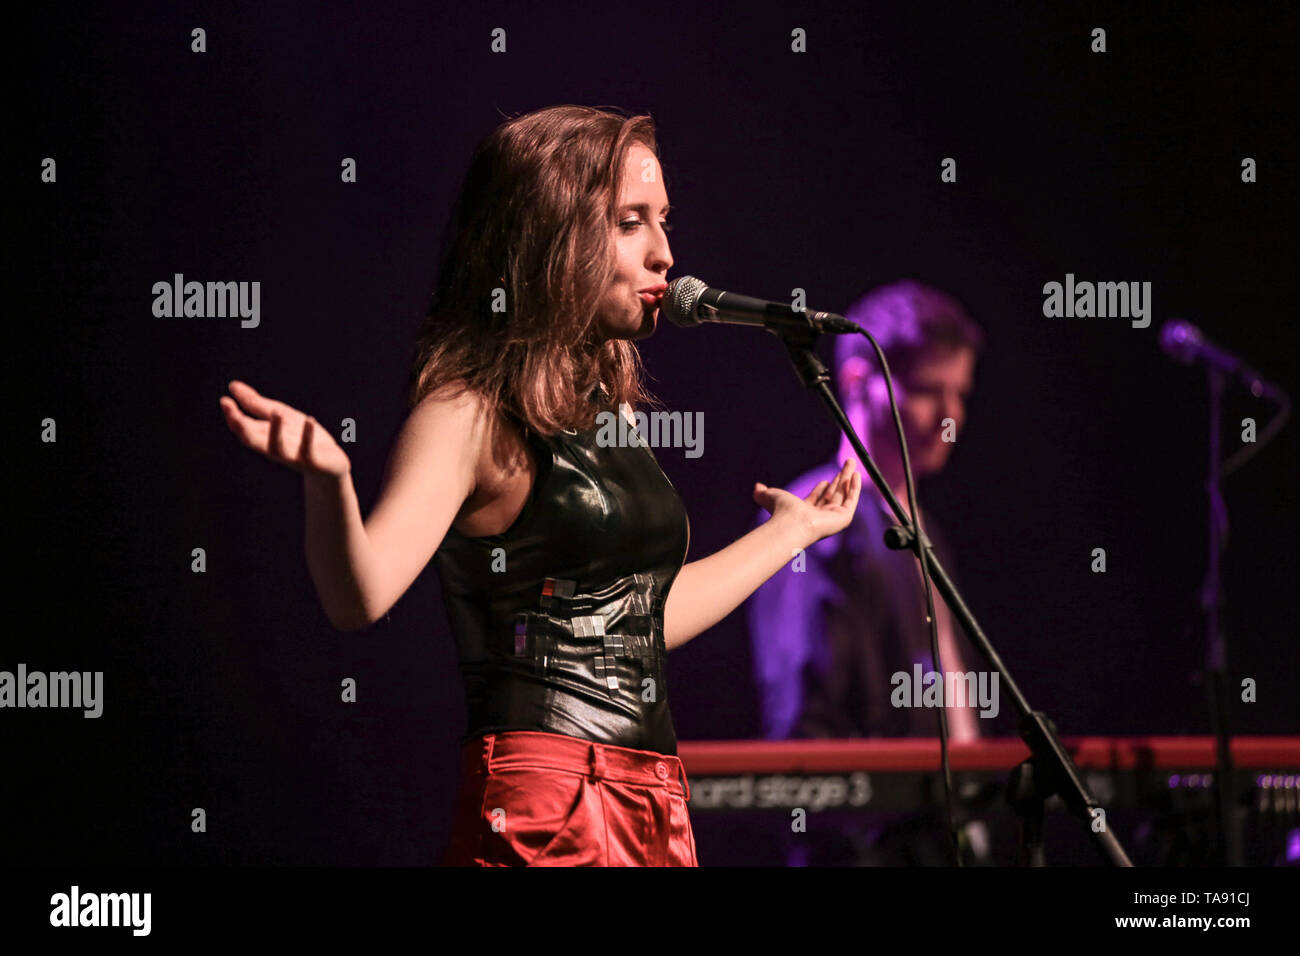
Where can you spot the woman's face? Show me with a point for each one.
(630, 305)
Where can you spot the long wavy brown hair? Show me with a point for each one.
(531, 234)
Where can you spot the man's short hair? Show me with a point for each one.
(911, 321)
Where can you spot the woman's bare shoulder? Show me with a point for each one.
(444, 427)
(459, 408)
(495, 443)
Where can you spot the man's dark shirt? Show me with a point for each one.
(826, 640)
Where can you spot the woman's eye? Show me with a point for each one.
(629, 224)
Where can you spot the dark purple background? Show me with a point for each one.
(819, 171)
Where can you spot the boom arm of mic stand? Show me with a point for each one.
(1039, 733)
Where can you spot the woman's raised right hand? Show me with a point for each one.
(282, 433)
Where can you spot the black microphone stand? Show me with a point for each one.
(1050, 770)
(1227, 850)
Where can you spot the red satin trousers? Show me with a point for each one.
(529, 798)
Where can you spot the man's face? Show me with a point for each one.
(641, 255)
(935, 390)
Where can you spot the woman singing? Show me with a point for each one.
(560, 552)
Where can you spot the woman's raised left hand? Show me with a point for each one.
(826, 510)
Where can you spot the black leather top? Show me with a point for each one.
(559, 620)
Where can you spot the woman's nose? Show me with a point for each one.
(660, 258)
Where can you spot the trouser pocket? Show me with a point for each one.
(539, 817)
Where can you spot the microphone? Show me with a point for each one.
(1184, 342)
(688, 301)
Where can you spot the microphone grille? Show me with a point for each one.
(680, 299)
(1180, 340)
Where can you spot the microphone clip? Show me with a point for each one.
(899, 538)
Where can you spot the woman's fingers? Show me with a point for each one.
(273, 431)
(284, 434)
(853, 488)
(248, 397)
(308, 433)
(276, 441)
(251, 399)
(814, 496)
(846, 481)
(253, 429)
(834, 487)
(258, 404)
(838, 483)
(245, 428)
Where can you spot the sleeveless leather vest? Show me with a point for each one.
(558, 621)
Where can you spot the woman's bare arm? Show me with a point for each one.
(430, 474)
(706, 591)
(360, 569)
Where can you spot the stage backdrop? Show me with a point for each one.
(803, 149)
